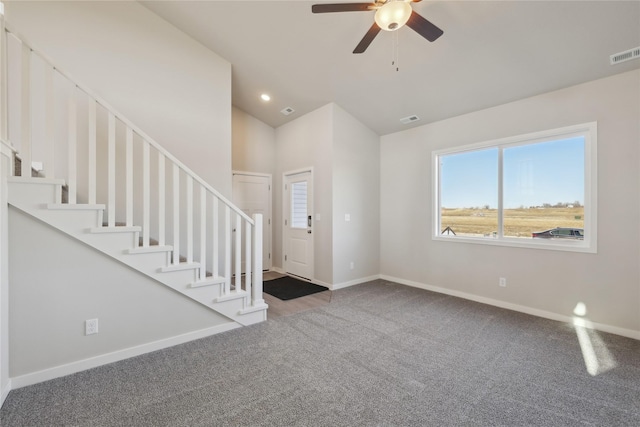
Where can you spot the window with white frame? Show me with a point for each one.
(535, 190)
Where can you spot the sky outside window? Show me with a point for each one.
(469, 179)
(533, 175)
(548, 172)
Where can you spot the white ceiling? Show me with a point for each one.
(492, 52)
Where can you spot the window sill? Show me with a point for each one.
(582, 246)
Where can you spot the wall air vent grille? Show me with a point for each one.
(287, 111)
(627, 55)
(409, 119)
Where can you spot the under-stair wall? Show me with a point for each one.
(73, 283)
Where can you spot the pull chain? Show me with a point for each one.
(394, 51)
(397, 41)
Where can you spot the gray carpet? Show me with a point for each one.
(380, 354)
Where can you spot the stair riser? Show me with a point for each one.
(72, 222)
(148, 262)
(231, 307)
(255, 317)
(33, 195)
(112, 242)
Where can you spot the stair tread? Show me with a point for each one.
(116, 229)
(209, 281)
(179, 267)
(30, 180)
(77, 206)
(231, 296)
(150, 249)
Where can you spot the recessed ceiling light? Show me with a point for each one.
(265, 97)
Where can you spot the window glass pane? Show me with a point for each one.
(299, 204)
(469, 193)
(543, 186)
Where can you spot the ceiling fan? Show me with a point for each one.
(390, 16)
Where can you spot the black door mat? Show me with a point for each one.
(286, 288)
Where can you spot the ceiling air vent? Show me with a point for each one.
(409, 119)
(627, 55)
(287, 111)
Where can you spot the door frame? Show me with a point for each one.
(286, 214)
(269, 224)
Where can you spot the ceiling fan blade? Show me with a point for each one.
(423, 27)
(367, 39)
(341, 7)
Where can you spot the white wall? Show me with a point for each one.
(170, 86)
(72, 283)
(356, 192)
(253, 144)
(301, 143)
(550, 281)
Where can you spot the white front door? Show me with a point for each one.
(252, 194)
(298, 236)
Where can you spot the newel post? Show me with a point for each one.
(256, 296)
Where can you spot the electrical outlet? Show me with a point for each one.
(351, 265)
(91, 326)
(502, 282)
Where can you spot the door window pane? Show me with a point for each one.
(299, 204)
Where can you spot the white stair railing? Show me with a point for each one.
(104, 158)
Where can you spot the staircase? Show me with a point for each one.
(87, 171)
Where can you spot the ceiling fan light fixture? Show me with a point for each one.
(393, 15)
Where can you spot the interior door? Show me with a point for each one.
(298, 224)
(252, 194)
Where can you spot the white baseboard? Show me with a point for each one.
(5, 393)
(629, 333)
(104, 359)
(354, 282)
(321, 283)
(277, 270)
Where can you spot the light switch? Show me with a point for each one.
(347, 217)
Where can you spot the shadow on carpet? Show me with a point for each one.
(286, 288)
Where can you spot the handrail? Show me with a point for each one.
(133, 127)
(8, 144)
